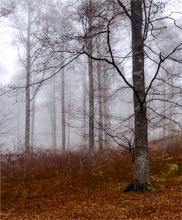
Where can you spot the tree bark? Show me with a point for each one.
(91, 92)
(100, 106)
(105, 109)
(84, 104)
(141, 174)
(32, 122)
(54, 124)
(28, 74)
(63, 111)
(68, 125)
(100, 98)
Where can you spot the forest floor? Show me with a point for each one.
(51, 187)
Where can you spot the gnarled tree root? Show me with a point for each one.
(136, 186)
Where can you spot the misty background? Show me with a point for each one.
(59, 82)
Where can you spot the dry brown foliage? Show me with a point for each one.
(50, 186)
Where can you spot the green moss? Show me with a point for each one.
(173, 168)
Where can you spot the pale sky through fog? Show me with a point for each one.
(8, 57)
(9, 54)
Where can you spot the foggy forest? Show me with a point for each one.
(90, 109)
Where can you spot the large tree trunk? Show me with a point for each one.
(141, 174)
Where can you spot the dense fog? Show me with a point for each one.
(44, 65)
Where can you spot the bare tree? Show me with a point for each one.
(53, 115)
(63, 116)
(103, 80)
(28, 51)
(84, 107)
(33, 106)
(51, 104)
(91, 88)
(100, 105)
(7, 7)
(139, 15)
(141, 175)
(86, 16)
(28, 75)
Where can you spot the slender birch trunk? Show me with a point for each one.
(28, 74)
(32, 122)
(100, 106)
(99, 94)
(63, 111)
(54, 133)
(84, 104)
(91, 93)
(105, 109)
(68, 126)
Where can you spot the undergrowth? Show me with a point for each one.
(70, 187)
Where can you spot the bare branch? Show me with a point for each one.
(125, 10)
(162, 59)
